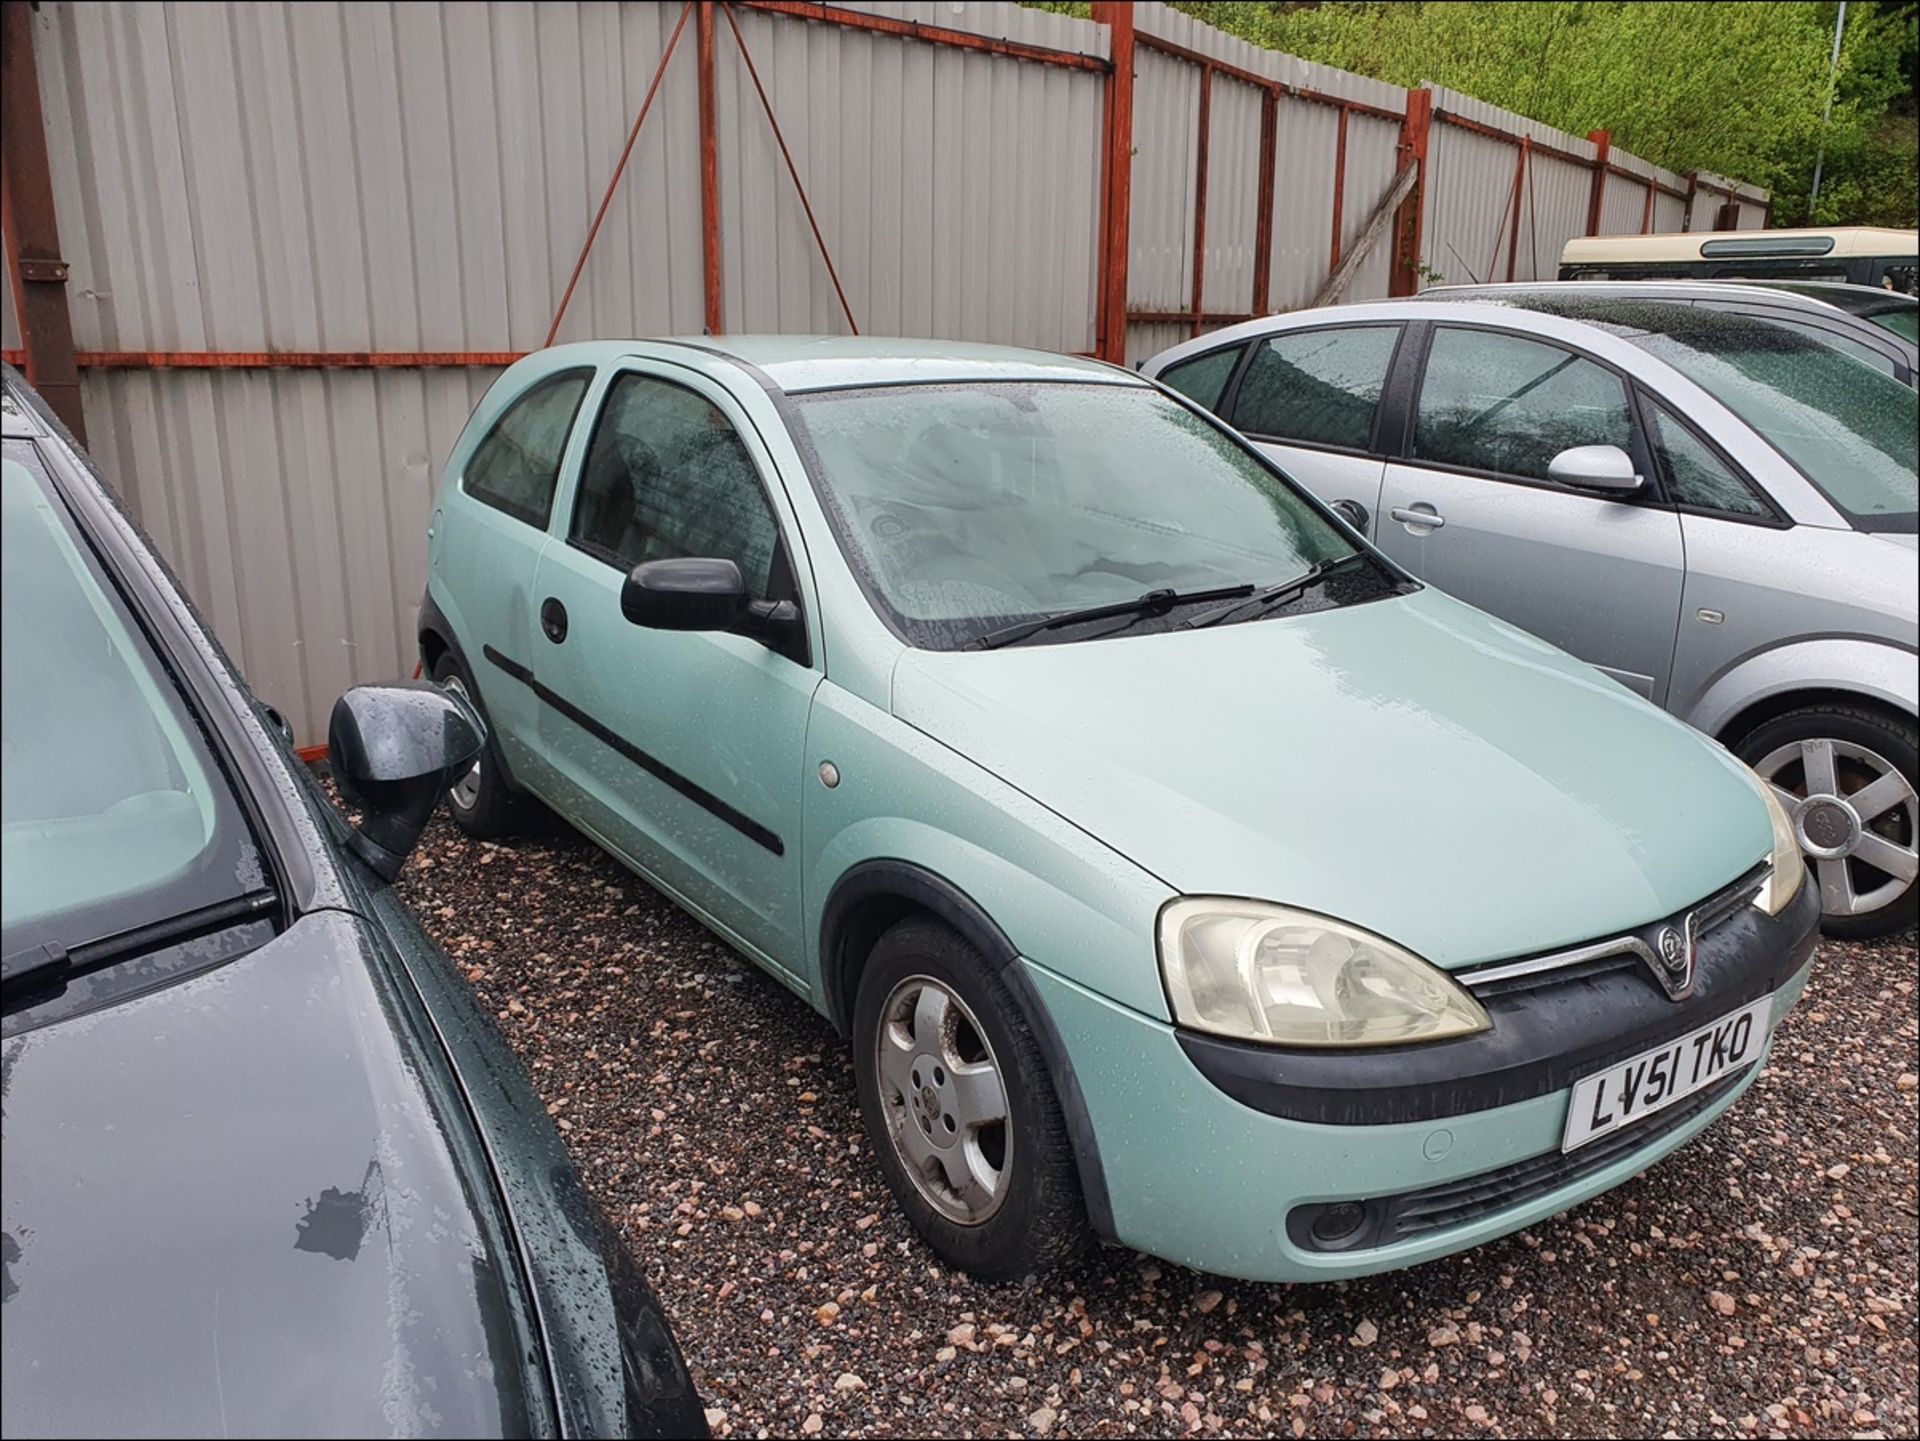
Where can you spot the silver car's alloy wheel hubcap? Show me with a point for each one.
(945, 1100)
(466, 791)
(1856, 817)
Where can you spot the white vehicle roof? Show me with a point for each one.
(1741, 244)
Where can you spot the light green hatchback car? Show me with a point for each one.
(1181, 871)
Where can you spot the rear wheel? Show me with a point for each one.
(960, 1109)
(481, 802)
(1846, 775)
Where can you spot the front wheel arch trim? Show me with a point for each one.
(892, 888)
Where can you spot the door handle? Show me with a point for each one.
(1418, 518)
(553, 619)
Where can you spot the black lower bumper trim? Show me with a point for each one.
(1413, 1214)
(1542, 1039)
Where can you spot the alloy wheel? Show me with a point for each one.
(1857, 819)
(465, 792)
(945, 1099)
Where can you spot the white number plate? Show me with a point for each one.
(1632, 1090)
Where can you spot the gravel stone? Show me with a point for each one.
(1759, 1282)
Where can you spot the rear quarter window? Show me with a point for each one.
(516, 467)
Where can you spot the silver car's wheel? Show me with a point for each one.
(1856, 816)
(945, 1100)
(466, 791)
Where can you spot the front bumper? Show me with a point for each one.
(1210, 1176)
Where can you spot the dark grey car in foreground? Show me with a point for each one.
(268, 1168)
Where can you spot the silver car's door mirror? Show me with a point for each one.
(1604, 468)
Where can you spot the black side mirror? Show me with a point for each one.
(700, 593)
(686, 593)
(394, 749)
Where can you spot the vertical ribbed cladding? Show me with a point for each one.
(1471, 230)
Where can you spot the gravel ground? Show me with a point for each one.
(1761, 1282)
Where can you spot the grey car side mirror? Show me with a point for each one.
(1604, 468)
(393, 750)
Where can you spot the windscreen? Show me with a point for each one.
(112, 812)
(1849, 429)
(968, 506)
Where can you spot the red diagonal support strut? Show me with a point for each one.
(781, 141)
(618, 170)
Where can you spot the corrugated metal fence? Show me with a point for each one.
(302, 239)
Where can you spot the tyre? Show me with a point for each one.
(1846, 774)
(960, 1109)
(482, 802)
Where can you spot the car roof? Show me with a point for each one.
(798, 363)
(1677, 290)
(1635, 314)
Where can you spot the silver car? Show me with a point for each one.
(1717, 512)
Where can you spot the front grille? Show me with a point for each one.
(1438, 1208)
(1621, 952)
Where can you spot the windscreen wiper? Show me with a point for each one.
(1274, 594)
(41, 967)
(1154, 602)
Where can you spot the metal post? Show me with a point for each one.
(32, 233)
(1339, 191)
(1415, 129)
(1263, 223)
(1603, 147)
(709, 173)
(1833, 75)
(1646, 211)
(1519, 175)
(1200, 197)
(1116, 180)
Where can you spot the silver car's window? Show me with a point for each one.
(514, 469)
(1203, 379)
(1694, 475)
(1319, 386)
(667, 475)
(966, 507)
(1501, 403)
(1850, 430)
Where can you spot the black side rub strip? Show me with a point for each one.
(659, 770)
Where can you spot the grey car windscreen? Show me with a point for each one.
(113, 813)
(1849, 429)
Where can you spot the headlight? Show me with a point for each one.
(1789, 868)
(1260, 972)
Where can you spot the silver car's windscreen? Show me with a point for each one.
(964, 507)
(1847, 427)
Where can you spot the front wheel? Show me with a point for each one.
(481, 802)
(1846, 776)
(960, 1109)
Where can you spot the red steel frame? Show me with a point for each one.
(29, 228)
(1116, 183)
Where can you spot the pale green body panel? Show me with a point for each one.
(1200, 1179)
(1407, 764)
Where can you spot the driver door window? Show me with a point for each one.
(667, 475)
(1508, 405)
